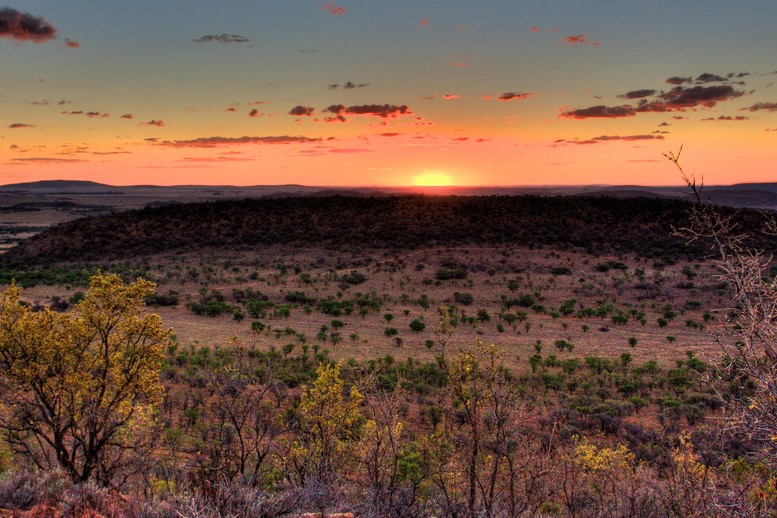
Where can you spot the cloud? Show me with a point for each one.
(610, 138)
(638, 94)
(20, 125)
(580, 39)
(21, 26)
(153, 122)
(47, 160)
(300, 111)
(449, 97)
(770, 107)
(679, 98)
(348, 85)
(377, 110)
(91, 115)
(389, 134)
(677, 80)
(221, 38)
(127, 116)
(600, 111)
(336, 10)
(255, 113)
(72, 43)
(514, 96)
(535, 29)
(727, 118)
(210, 142)
(425, 22)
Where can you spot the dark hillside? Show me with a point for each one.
(595, 224)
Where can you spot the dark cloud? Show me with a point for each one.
(709, 78)
(127, 116)
(610, 138)
(348, 85)
(727, 118)
(378, 110)
(20, 26)
(91, 115)
(336, 10)
(676, 80)
(300, 111)
(208, 142)
(679, 98)
(638, 94)
(514, 96)
(255, 113)
(600, 111)
(706, 96)
(222, 38)
(20, 125)
(770, 107)
(157, 123)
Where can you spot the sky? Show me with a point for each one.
(364, 93)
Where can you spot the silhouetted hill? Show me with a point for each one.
(596, 224)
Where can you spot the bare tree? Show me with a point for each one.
(746, 375)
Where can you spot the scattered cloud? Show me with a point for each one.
(514, 96)
(157, 123)
(449, 97)
(377, 110)
(770, 107)
(255, 113)
(348, 85)
(21, 26)
(20, 125)
(610, 138)
(72, 43)
(47, 160)
(638, 94)
(221, 38)
(679, 98)
(91, 115)
(127, 116)
(580, 39)
(600, 111)
(336, 10)
(302, 111)
(727, 118)
(210, 142)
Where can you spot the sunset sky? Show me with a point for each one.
(362, 93)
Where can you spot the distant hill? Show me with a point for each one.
(61, 187)
(604, 225)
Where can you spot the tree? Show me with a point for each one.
(328, 426)
(78, 389)
(746, 376)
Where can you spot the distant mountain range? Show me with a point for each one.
(750, 195)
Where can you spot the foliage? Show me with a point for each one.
(79, 389)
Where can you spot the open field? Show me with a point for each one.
(406, 286)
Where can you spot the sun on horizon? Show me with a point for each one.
(433, 180)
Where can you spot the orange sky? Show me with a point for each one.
(346, 94)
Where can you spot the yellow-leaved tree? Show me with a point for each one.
(78, 389)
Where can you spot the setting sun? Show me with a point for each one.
(432, 180)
